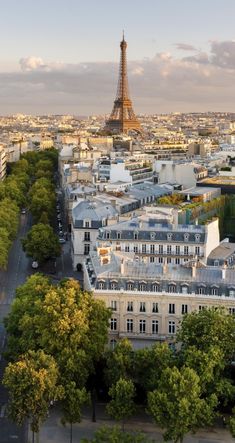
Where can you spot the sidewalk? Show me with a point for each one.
(54, 432)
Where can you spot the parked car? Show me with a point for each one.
(62, 240)
(34, 264)
(23, 211)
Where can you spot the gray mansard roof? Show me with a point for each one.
(161, 275)
(154, 229)
(93, 211)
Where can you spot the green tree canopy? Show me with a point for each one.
(178, 405)
(119, 362)
(122, 404)
(208, 328)
(41, 243)
(106, 434)
(32, 382)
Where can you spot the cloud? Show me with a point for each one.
(164, 83)
(31, 64)
(185, 47)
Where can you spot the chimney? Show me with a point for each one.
(194, 267)
(224, 271)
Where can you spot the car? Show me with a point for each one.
(62, 240)
(58, 217)
(57, 206)
(23, 211)
(60, 225)
(61, 234)
(34, 264)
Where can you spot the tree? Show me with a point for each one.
(149, 363)
(178, 406)
(119, 362)
(72, 403)
(232, 423)
(122, 404)
(9, 217)
(32, 384)
(41, 243)
(208, 328)
(106, 434)
(43, 200)
(5, 244)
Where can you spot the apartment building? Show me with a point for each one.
(151, 240)
(147, 300)
(3, 162)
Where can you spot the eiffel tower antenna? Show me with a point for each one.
(122, 118)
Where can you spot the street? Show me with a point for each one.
(17, 271)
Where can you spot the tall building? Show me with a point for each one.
(122, 118)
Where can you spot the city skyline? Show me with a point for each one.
(180, 57)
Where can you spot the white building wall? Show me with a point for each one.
(119, 173)
(182, 174)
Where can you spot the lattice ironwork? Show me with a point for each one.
(122, 117)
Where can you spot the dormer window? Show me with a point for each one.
(108, 235)
(169, 236)
(136, 235)
(186, 237)
(87, 223)
(197, 237)
(152, 235)
(118, 235)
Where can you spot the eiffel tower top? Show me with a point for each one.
(122, 118)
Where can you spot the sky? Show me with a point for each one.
(62, 56)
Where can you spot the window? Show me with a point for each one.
(114, 305)
(101, 285)
(127, 249)
(142, 287)
(107, 235)
(118, 234)
(130, 306)
(177, 261)
(87, 236)
(184, 289)
(154, 327)
(197, 250)
(152, 249)
(197, 237)
(113, 285)
(87, 224)
(160, 259)
(155, 307)
(184, 309)
(171, 308)
(142, 306)
(186, 237)
(201, 290)
(143, 249)
(142, 326)
(130, 286)
(86, 249)
(152, 235)
(185, 250)
(135, 235)
(168, 260)
(151, 259)
(113, 324)
(135, 249)
(171, 327)
(168, 250)
(171, 288)
(177, 250)
(169, 236)
(201, 308)
(155, 288)
(214, 291)
(231, 311)
(129, 325)
(160, 248)
(232, 293)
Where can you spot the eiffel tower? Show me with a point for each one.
(122, 118)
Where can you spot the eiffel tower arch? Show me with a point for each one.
(122, 118)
